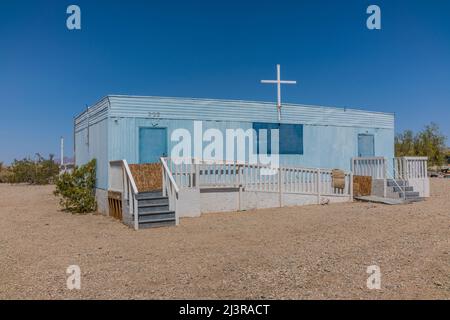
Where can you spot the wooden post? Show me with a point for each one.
(280, 190)
(384, 178)
(240, 188)
(197, 175)
(175, 199)
(351, 186)
(136, 213)
(163, 176)
(425, 163)
(319, 185)
(240, 198)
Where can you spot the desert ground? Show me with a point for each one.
(310, 252)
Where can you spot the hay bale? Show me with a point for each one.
(338, 179)
(356, 189)
(362, 185)
(148, 176)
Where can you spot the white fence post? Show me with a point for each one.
(319, 185)
(136, 213)
(240, 187)
(164, 191)
(280, 189)
(351, 186)
(197, 174)
(384, 178)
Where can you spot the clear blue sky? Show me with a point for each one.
(217, 49)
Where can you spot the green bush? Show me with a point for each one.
(430, 142)
(77, 189)
(41, 171)
(5, 174)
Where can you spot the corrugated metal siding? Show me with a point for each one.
(96, 148)
(324, 146)
(95, 114)
(245, 111)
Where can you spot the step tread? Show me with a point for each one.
(151, 205)
(401, 188)
(160, 224)
(391, 183)
(409, 193)
(157, 220)
(152, 213)
(141, 196)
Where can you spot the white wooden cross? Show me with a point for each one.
(279, 82)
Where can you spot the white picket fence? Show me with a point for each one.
(189, 173)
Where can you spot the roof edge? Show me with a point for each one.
(250, 101)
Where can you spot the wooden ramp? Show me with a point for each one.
(381, 200)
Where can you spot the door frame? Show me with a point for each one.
(138, 140)
(373, 144)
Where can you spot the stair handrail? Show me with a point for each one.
(171, 186)
(391, 176)
(130, 176)
(169, 173)
(130, 191)
(133, 203)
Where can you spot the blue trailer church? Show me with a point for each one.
(125, 131)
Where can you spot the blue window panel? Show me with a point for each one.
(152, 144)
(366, 145)
(290, 137)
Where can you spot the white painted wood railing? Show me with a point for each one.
(411, 167)
(415, 171)
(189, 173)
(121, 180)
(374, 167)
(170, 188)
(404, 168)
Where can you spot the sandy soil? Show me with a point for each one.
(291, 253)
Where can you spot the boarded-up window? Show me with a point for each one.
(290, 137)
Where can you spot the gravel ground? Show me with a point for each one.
(311, 252)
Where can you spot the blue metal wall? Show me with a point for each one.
(324, 146)
(91, 134)
(330, 134)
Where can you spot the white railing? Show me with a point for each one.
(415, 171)
(411, 170)
(374, 167)
(392, 174)
(411, 167)
(170, 188)
(121, 180)
(189, 173)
